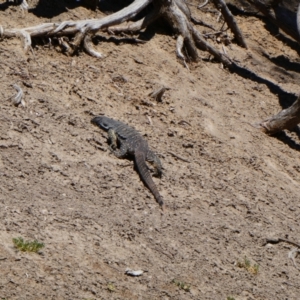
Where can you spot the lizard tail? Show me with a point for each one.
(146, 176)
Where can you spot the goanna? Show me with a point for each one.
(126, 140)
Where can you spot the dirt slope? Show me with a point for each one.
(61, 185)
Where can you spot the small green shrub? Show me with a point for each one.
(27, 246)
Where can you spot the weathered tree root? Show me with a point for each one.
(72, 27)
(285, 119)
(232, 24)
(74, 45)
(136, 26)
(179, 46)
(87, 44)
(202, 44)
(175, 12)
(280, 17)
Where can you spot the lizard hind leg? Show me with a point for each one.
(155, 161)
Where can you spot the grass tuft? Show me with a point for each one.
(111, 288)
(27, 246)
(246, 264)
(182, 285)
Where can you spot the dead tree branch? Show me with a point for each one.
(286, 119)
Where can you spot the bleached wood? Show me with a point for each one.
(72, 27)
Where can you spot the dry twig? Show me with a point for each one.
(179, 157)
(278, 240)
(292, 255)
(158, 93)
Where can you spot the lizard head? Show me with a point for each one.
(102, 122)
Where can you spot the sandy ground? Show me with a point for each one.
(61, 185)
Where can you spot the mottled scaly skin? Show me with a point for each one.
(131, 142)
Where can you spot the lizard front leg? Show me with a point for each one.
(113, 138)
(155, 161)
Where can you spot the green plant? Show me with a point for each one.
(182, 285)
(27, 246)
(246, 264)
(230, 298)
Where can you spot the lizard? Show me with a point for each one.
(125, 140)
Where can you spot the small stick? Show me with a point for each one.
(202, 23)
(157, 94)
(278, 240)
(182, 122)
(179, 157)
(214, 33)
